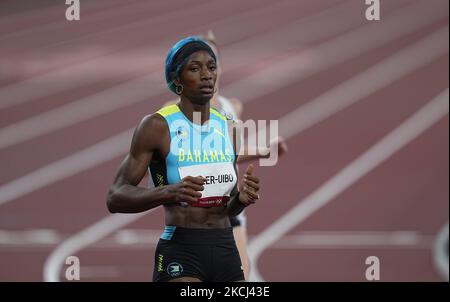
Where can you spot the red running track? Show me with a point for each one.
(118, 42)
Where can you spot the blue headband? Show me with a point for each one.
(178, 55)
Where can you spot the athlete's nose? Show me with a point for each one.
(206, 74)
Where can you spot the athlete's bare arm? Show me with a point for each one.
(125, 196)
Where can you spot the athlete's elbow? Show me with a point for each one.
(112, 202)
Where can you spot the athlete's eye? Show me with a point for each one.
(194, 69)
(213, 67)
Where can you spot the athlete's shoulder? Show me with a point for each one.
(159, 120)
(151, 123)
(147, 135)
(220, 114)
(168, 110)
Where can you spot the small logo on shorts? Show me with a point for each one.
(160, 263)
(174, 269)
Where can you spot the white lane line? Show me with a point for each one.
(144, 239)
(364, 84)
(86, 108)
(143, 88)
(71, 165)
(352, 240)
(123, 61)
(280, 74)
(418, 62)
(29, 237)
(51, 16)
(339, 49)
(103, 13)
(86, 237)
(440, 253)
(140, 236)
(99, 271)
(406, 132)
(94, 105)
(263, 7)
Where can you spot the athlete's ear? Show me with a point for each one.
(176, 79)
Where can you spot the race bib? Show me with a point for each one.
(220, 181)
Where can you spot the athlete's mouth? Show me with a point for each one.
(207, 88)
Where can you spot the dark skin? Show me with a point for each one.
(151, 140)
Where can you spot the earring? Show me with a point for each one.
(177, 91)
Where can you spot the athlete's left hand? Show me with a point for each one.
(249, 187)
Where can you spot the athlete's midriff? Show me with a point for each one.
(215, 201)
(196, 217)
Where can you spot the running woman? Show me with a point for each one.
(192, 163)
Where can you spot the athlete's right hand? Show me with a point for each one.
(188, 190)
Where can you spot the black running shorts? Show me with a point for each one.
(210, 255)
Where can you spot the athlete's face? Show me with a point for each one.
(198, 77)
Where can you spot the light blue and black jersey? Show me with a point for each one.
(197, 150)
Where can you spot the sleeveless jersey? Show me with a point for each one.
(197, 150)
